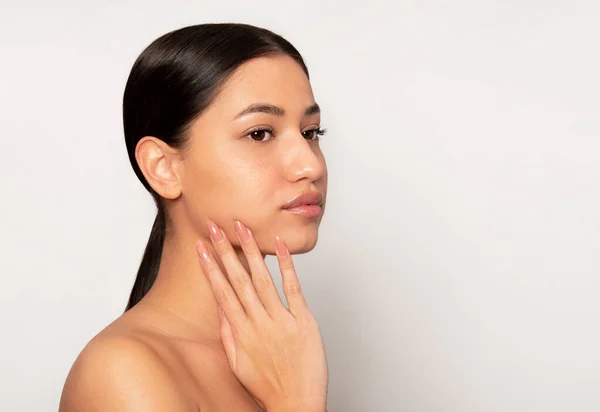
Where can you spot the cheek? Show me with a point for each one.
(254, 188)
(325, 174)
(233, 187)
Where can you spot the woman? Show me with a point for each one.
(223, 130)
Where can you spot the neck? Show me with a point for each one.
(181, 299)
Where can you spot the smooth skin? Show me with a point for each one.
(171, 352)
(276, 352)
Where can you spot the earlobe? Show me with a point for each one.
(156, 161)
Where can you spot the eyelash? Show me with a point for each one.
(318, 132)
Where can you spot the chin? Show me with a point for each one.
(301, 241)
(302, 249)
(299, 234)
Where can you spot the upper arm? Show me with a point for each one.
(118, 375)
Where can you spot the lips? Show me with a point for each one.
(305, 199)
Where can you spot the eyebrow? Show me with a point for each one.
(274, 110)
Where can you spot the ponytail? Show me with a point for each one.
(148, 270)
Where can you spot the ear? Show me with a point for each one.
(160, 165)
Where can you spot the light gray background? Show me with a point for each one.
(458, 267)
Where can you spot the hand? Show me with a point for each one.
(276, 352)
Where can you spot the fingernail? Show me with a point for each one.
(242, 232)
(202, 250)
(214, 232)
(280, 248)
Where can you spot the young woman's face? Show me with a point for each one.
(254, 150)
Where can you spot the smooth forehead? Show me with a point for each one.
(276, 80)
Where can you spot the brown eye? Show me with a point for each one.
(313, 134)
(261, 135)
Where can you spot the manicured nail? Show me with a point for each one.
(202, 250)
(280, 248)
(215, 233)
(242, 232)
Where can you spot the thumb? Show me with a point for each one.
(227, 339)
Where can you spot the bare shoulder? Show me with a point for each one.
(121, 373)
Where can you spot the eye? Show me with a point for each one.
(260, 135)
(313, 134)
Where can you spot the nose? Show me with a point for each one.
(303, 159)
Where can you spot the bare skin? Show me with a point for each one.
(167, 353)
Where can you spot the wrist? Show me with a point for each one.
(298, 407)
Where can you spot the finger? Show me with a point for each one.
(290, 282)
(224, 293)
(261, 277)
(227, 339)
(239, 279)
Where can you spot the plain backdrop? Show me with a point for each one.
(458, 267)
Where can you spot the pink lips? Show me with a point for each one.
(307, 204)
